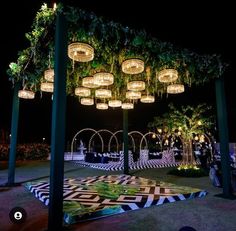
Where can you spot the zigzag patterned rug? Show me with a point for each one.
(99, 196)
(116, 166)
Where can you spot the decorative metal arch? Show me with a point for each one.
(144, 137)
(210, 142)
(114, 135)
(85, 129)
(141, 134)
(98, 132)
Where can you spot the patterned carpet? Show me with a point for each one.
(99, 196)
(115, 166)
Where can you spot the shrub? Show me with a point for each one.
(4, 150)
(188, 172)
(34, 151)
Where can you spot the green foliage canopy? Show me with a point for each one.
(188, 120)
(113, 43)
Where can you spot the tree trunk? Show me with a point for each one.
(188, 157)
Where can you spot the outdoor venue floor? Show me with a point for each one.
(116, 166)
(206, 213)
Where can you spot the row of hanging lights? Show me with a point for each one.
(83, 52)
(48, 86)
(132, 67)
(45, 86)
(170, 76)
(103, 106)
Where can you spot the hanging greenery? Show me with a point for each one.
(113, 43)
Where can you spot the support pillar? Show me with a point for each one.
(55, 217)
(125, 141)
(223, 135)
(14, 131)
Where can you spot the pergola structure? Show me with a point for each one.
(123, 64)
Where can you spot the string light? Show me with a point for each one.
(175, 88)
(80, 52)
(47, 87)
(103, 78)
(147, 99)
(102, 106)
(127, 106)
(133, 95)
(26, 94)
(114, 103)
(103, 93)
(136, 86)
(49, 75)
(168, 75)
(133, 66)
(82, 91)
(87, 101)
(89, 82)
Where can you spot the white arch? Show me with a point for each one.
(85, 129)
(144, 137)
(98, 132)
(114, 135)
(210, 142)
(141, 134)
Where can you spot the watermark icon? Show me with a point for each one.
(17, 215)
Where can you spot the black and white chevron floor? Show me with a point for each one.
(82, 191)
(116, 166)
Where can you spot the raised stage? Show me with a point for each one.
(99, 196)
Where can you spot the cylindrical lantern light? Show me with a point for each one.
(80, 52)
(147, 99)
(87, 101)
(133, 95)
(103, 93)
(26, 94)
(136, 86)
(103, 78)
(127, 106)
(82, 91)
(114, 103)
(168, 75)
(89, 82)
(175, 88)
(49, 75)
(47, 87)
(133, 66)
(102, 106)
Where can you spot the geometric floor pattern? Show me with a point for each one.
(116, 166)
(83, 199)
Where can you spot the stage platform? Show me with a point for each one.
(99, 196)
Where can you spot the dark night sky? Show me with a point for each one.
(203, 28)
